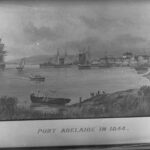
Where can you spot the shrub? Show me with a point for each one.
(145, 90)
(8, 105)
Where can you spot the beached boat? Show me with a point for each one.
(49, 100)
(37, 78)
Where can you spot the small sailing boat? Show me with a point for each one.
(21, 65)
(39, 78)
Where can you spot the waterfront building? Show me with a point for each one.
(127, 55)
(125, 61)
(142, 59)
(119, 61)
(95, 62)
(133, 61)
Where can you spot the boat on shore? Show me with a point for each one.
(48, 100)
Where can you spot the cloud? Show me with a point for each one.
(106, 22)
(129, 39)
(81, 44)
(127, 42)
(116, 46)
(97, 22)
(37, 34)
(37, 28)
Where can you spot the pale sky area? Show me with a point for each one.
(39, 28)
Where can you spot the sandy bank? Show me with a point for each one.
(132, 102)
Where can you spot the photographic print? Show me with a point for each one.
(74, 59)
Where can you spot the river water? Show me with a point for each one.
(68, 82)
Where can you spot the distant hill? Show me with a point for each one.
(38, 59)
(32, 60)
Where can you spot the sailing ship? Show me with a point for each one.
(84, 57)
(21, 65)
(2, 54)
(106, 63)
(60, 62)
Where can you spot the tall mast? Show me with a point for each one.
(88, 54)
(66, 53)
(106, 58)
(57, 56)
(2, 53)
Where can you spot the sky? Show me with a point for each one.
(32, 27)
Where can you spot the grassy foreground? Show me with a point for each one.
(129, 103)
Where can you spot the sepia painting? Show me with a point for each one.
(74, 59)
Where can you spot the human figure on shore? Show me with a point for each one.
(104, 92)
(80, 100)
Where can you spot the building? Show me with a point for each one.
(127, 55)
(142, 59)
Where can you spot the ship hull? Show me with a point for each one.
(104, 66)
(62, 66)
(46, 66)
(84, 66)
(55, 66)
(42, 79)
(49, 100)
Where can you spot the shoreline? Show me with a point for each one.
(127, 103)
